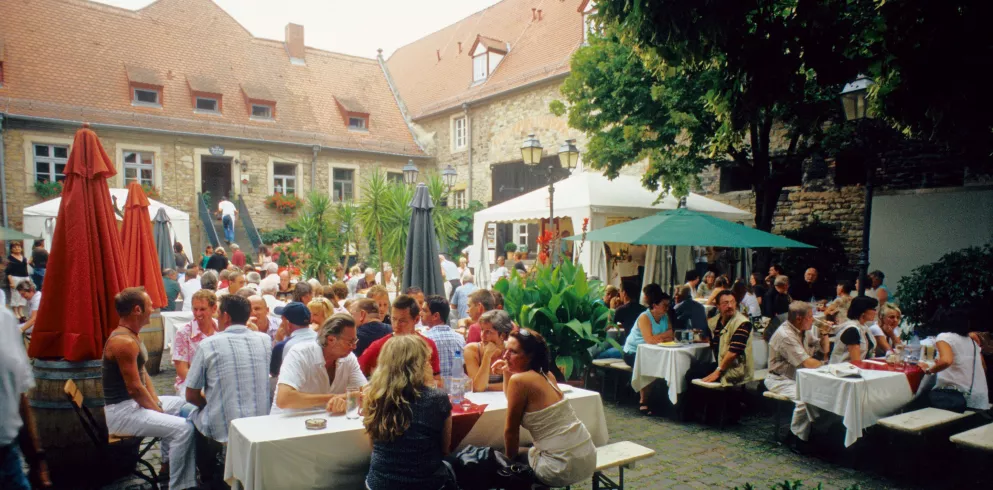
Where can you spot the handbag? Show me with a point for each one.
(951, 399)
(483, 468)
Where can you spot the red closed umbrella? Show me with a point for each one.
(85, 267)
(141, 259)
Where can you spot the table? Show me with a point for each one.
(861, 402)
(277, 451)
(668, 363)
(172, 321)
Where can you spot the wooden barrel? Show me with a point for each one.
(153, 336)
(70, 451)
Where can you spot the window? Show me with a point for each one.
(342, 183)
(356, 122)
(50, 162)
(207, 104)
(394, 177)
(459, 133)
(458, 199)
(261, 111)
(139, 166)
(284, 179)
(521, 234)
(480, 69)
(145, 96)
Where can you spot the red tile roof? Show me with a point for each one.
(539, 49)
(73, 59)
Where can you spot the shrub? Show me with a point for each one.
(960, 279)
(283, 204)
(278, 236)
(48, 190)
(510, 247)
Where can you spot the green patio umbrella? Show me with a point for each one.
(7, 234)
(682, 227)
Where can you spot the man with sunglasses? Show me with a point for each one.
(318, 373)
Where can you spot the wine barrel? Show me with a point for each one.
(153, 336)
(71, 452)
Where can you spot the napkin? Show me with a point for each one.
(670, 344)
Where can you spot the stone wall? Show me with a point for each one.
(177, 159)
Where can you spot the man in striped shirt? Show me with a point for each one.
(228, 379)
(730, 339)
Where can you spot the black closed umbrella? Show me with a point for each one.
(421, 267)
(163, 240)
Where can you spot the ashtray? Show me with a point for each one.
(316, 424)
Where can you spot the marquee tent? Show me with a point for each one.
(586, 195)
(39, 220)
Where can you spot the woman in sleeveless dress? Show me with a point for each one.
(563, 453)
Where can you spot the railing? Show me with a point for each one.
(207, 221)
(250, 229)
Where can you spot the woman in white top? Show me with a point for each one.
(853, 341)
(563, 452)
(886, 330)
(387, 279)
(746, 298)
(959, 365)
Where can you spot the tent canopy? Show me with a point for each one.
(587, 195)
(39, 220)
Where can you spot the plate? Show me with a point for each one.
(564, 388)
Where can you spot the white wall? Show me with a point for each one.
(910, 230)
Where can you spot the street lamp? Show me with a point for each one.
(854, 101)
(410, 173)
(569, 154)
(448, 176)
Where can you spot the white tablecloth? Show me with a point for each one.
(861, 402)
(668, 363)
(277, 451)
(172, 321)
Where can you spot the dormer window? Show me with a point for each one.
(207, 104)
(261, 104)
(261, 111)
(206, 94)
(353, 112)
(486, 55)
(146, 86)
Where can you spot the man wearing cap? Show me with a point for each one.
(296, 324)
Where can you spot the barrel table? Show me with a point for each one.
(153, 336)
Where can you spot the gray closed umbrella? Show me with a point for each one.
(421, 267)
(163, 240)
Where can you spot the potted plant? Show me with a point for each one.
(523, 250)
(48, 190)
(560, 304)
(510, 248)
(283, 204)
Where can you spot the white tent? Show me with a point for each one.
(586, 195)
(39, 220)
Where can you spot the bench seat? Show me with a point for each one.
(921, 420)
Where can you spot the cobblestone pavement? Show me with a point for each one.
(692, 455)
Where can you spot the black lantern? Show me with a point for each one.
(531, 150)
(410, 173)
(854, 98)
(569, 154)
(448, 176)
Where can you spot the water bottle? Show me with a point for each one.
(458, 364)
(455, 391)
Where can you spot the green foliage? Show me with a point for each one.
(559, 303)
(207, 199)
(320, 242)
(396, 225)
(48, 190)
(829, 258)
(445, 224)
(346, 216)
(371, 209)
(278, 235)
(510, 247)
(960, 279)
(463, 224)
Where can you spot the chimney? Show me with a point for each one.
(438, 52)
(539, 14)
(534, 14)
(460, 47)
(294, 43)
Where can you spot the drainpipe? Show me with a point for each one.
(313, 168)
(3, 173)
(468, 136)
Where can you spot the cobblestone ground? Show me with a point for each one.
(692, 455)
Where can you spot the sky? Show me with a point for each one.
(356, 27)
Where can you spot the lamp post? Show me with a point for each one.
(410, 173)
(448, 176)
(854, 102)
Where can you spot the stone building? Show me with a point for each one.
(187, 101)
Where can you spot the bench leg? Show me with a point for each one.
(775, 435)
(601, 479)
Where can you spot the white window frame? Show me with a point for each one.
(138, 166)
(135, 101)
(280, 180)
(480, 71)
(269, 111)
(362, 127)
(51, 160)
(521, 238)
(217, 105)
(458, 199)
(459, 133)
(334, 181)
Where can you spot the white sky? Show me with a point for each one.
(356, 27)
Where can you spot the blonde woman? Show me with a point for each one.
(320, 310)
(408, 421)
(885, 330)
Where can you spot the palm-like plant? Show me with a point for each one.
(347, 217)
(395, 217)
(371, 209)
(319, 241)
(445, 223)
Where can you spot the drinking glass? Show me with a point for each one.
(352, 402)
(455, 386)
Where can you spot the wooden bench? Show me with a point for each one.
(723, 392)
(618, 455)
(980, 438)
(779, 401)
(922, 420)
(618, 366)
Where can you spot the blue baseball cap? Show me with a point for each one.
(295, 313)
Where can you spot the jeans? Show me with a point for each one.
(228, 223)
(12, 475)
(38, 276)
(210, 459)
(611, 353)
(127, 418)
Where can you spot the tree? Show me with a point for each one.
(684, 85)
(319, 243)
(371, 207)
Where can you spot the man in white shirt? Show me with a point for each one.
(451, 273)
(190, 287)
(32, 296)
(260, 319)
(16, 379)
(228, 214)
(317, 373)
(500, 271)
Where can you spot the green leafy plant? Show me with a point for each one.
(319, 244)
(207, 199)
(560, 304)
(445, 224)
(463, 222)
(278, 236)
(371, 210)
(510, 247)
(150, 191)
(283, 204)
(48, 190)
(960, 279)
(396, 226)
(347, 217)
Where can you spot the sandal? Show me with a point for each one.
(644, 410)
